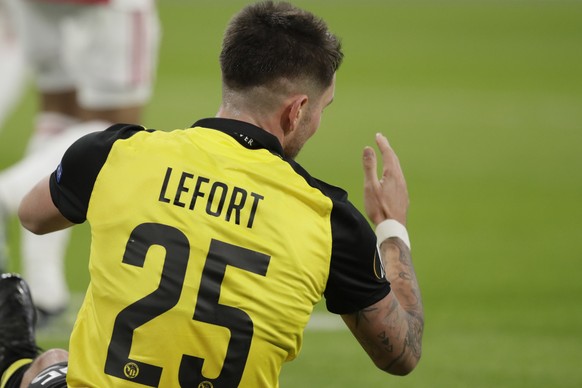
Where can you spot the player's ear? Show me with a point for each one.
(292, 114)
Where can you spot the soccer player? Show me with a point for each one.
(211, 245)
(12, 76)
(94, 63)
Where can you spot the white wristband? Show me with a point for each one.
(392, 228)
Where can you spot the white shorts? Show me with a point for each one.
(107, 52)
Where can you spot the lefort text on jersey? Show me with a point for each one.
(187, 190)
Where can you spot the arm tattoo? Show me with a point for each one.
(414, 335)
(385, 341)
(391, 330)
(415, 316)
(362, 315)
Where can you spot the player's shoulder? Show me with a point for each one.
(335, 193)
(110, 135)
(124, 131)
(99, 143)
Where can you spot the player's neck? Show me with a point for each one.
(268, 124)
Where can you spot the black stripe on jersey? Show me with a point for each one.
(352, 283)
(71, 192)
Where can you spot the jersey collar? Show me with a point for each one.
(248, 135)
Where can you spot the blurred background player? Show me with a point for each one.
(12, 64)
(12, 76)
(94, 64)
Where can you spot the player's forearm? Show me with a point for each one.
(400, 272)
(390, 331)
(405, 288)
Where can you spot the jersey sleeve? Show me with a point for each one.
(356, 278)
(72, 182)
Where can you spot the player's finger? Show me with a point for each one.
(389, 159)
(383, 145)
(370, 165)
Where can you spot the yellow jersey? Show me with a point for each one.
(209, 250)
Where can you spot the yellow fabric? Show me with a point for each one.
(13, 368)
(261, 217)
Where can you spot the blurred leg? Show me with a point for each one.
(12, 77)
(43, 255)
(43, 268)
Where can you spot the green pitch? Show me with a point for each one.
(482, 99)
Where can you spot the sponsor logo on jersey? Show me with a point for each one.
(131, 370)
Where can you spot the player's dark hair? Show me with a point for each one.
(267, 41)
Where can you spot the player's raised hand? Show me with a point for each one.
(386, 197)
